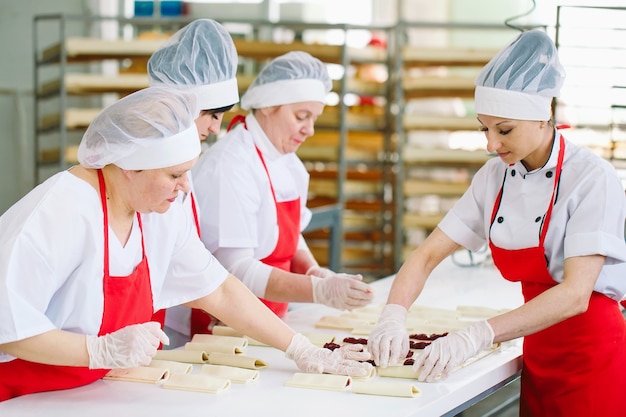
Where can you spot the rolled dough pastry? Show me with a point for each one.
(236, 375)
(398, 371)
(387, 388)
(172, 366)
(179, 355)
(215, 347)
(229, 331)
(197, 382)
(240, 342)
(319, 381)
(145, 374)
(240, 361)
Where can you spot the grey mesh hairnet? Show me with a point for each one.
(138, 122)
(530, 64)
(290, 78)
(200, 54)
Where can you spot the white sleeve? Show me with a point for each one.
(241, 263)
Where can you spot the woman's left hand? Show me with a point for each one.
(443, 355)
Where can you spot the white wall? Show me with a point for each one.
(16, 85)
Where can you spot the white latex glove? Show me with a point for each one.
(312, 359)
(341, 291)
(318, 271)
(443, 355)
(388, 342)
(127, 347)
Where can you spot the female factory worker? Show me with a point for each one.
(252, 190)
(200, 58)
(553, 215)
(88, 255)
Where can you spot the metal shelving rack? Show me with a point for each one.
(53, 138)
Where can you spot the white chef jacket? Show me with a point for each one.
(235, 199)
(234, 195)
(587, 219)
(51, 260)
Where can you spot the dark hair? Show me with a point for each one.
(220, 109)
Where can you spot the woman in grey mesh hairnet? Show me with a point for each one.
(252, 191)
(87, 257)
(553, 216)
(199, 58)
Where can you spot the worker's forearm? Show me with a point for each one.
(56, 347)
(235, 305)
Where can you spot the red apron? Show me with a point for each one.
(288, 218)
(575, 367)
(127, 301)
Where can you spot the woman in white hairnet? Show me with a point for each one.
(553, 215)
(252, 191)
(200, 58)
(88, 256)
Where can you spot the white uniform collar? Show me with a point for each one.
(261, 140)
(550, 163)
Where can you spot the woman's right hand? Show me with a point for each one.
(127, 347)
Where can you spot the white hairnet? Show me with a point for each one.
(294, 77)
(149, 129)
(202, 57)
(521, 80)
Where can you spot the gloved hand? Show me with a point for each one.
(355, 352)
(318, 271)
(388, 342)
(341, 291)
(313, 359)
(443, 355)
(127, 347)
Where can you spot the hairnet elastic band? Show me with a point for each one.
(283, 92)
(162, 153)
(217, 95)
(511, 104)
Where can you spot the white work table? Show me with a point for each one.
(449, 286)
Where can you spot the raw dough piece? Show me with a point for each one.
(240, 361)
(240, 342)
(319, 339)
(178, 355)
(197, 382)
(479, 312)
(215, 347)
(398, 371)
(145, 374)
(172, 366)
(229, 331)
(388, 388)
(236, 375)
(334, 322)
(319, 381)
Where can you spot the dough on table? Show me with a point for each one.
(398, 371)
(197, 382)
(319, 381)
(240, 342)
(240, 361)
(334, 322)
(145, 374)
(221, 330)
(320, 339)
(215, 347)
(179, 355)
(236, 375)
(387, 388)
(172, 366)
